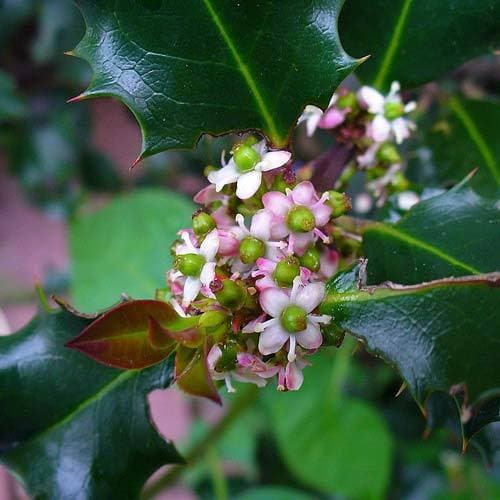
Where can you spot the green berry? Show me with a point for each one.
(251, 249)
(286, 270)
(231, 295)
(311, 259)
(347, 101)
(300, 219)
(214, 323)
(203, 223)
(393, 110)
(245, 158)
(294, 319)
(400, 182)
(388, 154)
(339, 202)
(189, 264)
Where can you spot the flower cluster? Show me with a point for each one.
(375, 125)
(254, 265)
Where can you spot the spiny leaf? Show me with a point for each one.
(71, 427)
(453, 234)
(130, 335)
(441, 335)
(185, 68)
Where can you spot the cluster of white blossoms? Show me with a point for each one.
(376, 125)
(255, 261)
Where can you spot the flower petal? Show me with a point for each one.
(272, 339)
(192, 288)
(321, 213)
(248, 184)
(210, 245)
(207, 274)
(300, 242)
(213, 356)
(311, 337)
(380, 129)
(274, 159)
(371, 99)
(332, 118)
(261, 225)
(401, 129)
(277, 203)
(293, 376)
(304, 194)
(273, 301)
(226, 175)
(310, 296)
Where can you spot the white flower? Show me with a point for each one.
(389, 120)
(315, 117)
(249, 178)
(207, 251)
(292, 320)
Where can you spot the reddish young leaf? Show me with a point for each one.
(192, 374)
(133, 334)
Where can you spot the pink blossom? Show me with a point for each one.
(281, 205)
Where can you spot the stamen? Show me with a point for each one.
(229, 385)
(291, 349)
(324, 238)
(295, 288)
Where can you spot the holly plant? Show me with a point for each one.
(356, 211)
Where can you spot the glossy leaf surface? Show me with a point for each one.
(132, 335)
(107, 261)
(441, 336)
(189, 67)
(454, 234)
(70, 427)
(460, 137)
(416, 41)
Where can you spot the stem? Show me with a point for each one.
(340, 369)
(329, 166)
(244, 399)
(221, 491)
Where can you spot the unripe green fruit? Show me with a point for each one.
(286, 271)
(245, 158)
(339, 202)
(214, 324)
(232, 295)
(251, 249)
(311, 259)
(228, 359)
(393, 110)
(388, 154)
(189, 264)
(347, 101)
(294, 319)
(300, 219)
(203, 223)
(250, 140)
(400, 182)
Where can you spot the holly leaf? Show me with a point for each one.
(458, 138)
(441, 335)
(453, 234)
(135, 334)
(417, 41)
(71, 427)
(185, 68)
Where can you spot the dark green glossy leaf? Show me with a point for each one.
(416, 41)
(441, 335)
(332, 443)
(70, 427)
(185, 68)
(454, 234)
(108, 261)
(133, 335)
(461, 137)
